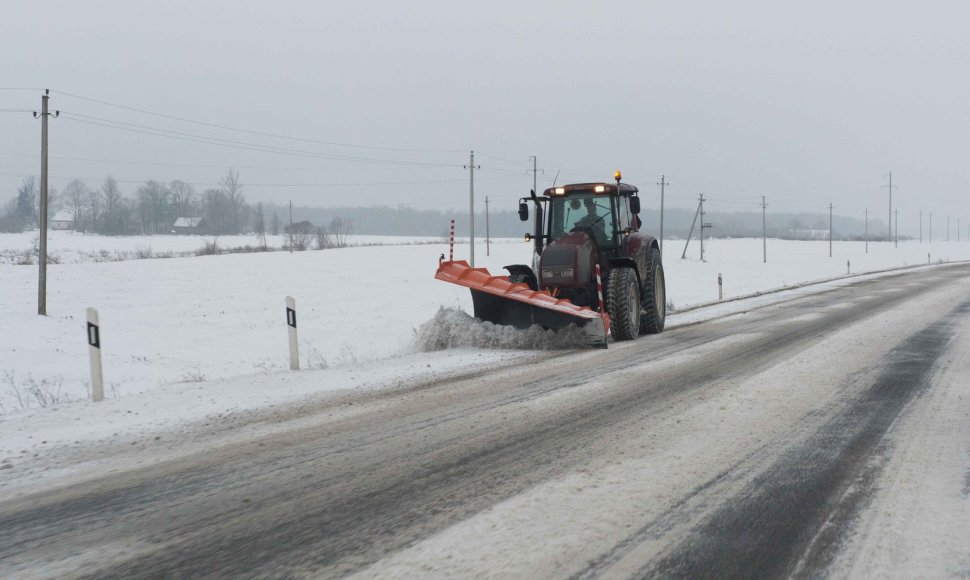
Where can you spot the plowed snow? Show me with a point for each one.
(453, 328)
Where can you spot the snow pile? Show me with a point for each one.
(453, 328)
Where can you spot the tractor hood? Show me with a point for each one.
(567, 262)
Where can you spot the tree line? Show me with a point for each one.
(153, 207)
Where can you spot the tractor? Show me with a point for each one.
(583, 234)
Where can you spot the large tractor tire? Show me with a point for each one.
(623, 303)
(654, 301)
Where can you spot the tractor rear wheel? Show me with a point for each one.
(623, 303)
(654, 313)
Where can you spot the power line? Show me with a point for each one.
(260, 133)
(192, 138)
(202, 184)
(496, 157)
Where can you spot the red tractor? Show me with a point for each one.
(577, 228)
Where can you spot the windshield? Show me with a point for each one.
(583, 212)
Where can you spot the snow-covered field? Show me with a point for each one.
(183, 323)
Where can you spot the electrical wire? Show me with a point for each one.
(194, 138)
(252, 132)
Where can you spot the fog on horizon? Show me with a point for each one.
(806, 104)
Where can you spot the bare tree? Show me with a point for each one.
(112, 207)
(340, 230)
(27, 200)
(76, 197)
(182, 198)
(324, 240)
(10, 218)
(259, 225)
(235, 200)
(215, 211)
(301, 235)
(153, 198)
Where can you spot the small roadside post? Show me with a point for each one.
(291, 326)
(94, 353)
(720, 287)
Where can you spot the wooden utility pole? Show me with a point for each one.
(42, 258)
(896, 227)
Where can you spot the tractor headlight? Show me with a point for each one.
(546, 273)
(567, 273)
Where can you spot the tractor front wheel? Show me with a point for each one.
(623, 303)
(654, 295)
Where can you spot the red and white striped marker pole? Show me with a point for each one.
(599, 289)
(599, 293)
(451, 245)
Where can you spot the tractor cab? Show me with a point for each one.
(603, 211)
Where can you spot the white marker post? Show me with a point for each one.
(291, 324)
(94, 350)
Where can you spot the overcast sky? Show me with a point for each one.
(807, 103)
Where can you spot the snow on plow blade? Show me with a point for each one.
(499, 301)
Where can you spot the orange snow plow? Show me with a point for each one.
(500, 301)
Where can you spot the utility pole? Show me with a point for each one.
(42, 259)
(663, 183)
(471, 206)
(830, 230)
(691, 232)
(535, 174)
(890, 186)
(897, 227)
(488, 251)
(867, 230)
(764, 232)
(704, 226)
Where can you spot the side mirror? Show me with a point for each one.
(634, 205)
(524, 211)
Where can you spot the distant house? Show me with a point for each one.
(187, 225)
(62, 220)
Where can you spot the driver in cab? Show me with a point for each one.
(591, 223)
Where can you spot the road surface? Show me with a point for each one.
(825, 435)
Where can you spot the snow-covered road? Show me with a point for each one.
(823, 434)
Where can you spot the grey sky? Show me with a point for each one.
(804, 102)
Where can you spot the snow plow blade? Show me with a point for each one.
(499, 301)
